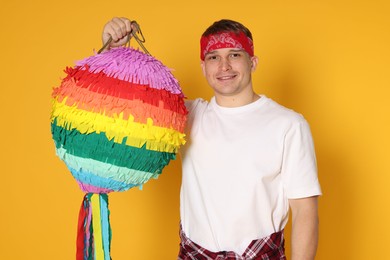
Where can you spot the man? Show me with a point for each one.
(246, 162)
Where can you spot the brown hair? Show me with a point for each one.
(226, 25)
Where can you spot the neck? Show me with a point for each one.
(236, 101)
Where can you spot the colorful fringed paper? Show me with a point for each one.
(117, 120)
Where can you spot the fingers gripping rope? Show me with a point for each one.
(136, 33)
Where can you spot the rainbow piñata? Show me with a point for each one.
(118, 119)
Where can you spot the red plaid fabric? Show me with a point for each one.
(267, 248)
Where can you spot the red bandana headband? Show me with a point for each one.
(225, 40)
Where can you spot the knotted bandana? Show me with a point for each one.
(225, 40)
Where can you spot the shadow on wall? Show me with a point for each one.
(337, 205)
(150, 215)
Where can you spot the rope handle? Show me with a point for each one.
(133, 33)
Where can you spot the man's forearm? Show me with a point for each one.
(304, 236)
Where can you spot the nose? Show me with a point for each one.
(225, 64)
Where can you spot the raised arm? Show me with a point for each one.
(304, 236)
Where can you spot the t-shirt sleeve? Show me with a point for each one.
(189, 104)
(299, 168)
(193, 107)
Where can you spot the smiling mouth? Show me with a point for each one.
(228, 77)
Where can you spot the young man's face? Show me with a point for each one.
(228, 71)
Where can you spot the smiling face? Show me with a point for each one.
(229, 73)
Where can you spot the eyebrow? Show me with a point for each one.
(237, 50)
(210, 53)
(215, 51)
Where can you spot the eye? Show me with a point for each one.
(211, 57)
(235, 55)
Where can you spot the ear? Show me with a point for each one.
(202, 65)
(254, 61)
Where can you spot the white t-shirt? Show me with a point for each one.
(240, 167)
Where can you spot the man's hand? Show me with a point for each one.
(118, 28)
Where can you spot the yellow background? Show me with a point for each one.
(328, 60)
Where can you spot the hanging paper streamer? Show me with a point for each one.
(94, 231)
(117, 120)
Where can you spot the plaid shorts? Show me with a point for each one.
(267, 248)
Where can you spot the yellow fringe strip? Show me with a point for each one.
(97, 229)
(116, 128)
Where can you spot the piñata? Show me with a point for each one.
(117, 120)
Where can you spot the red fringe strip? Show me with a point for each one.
(110, 106)
(103, 84)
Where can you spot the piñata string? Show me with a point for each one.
(133, 33)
